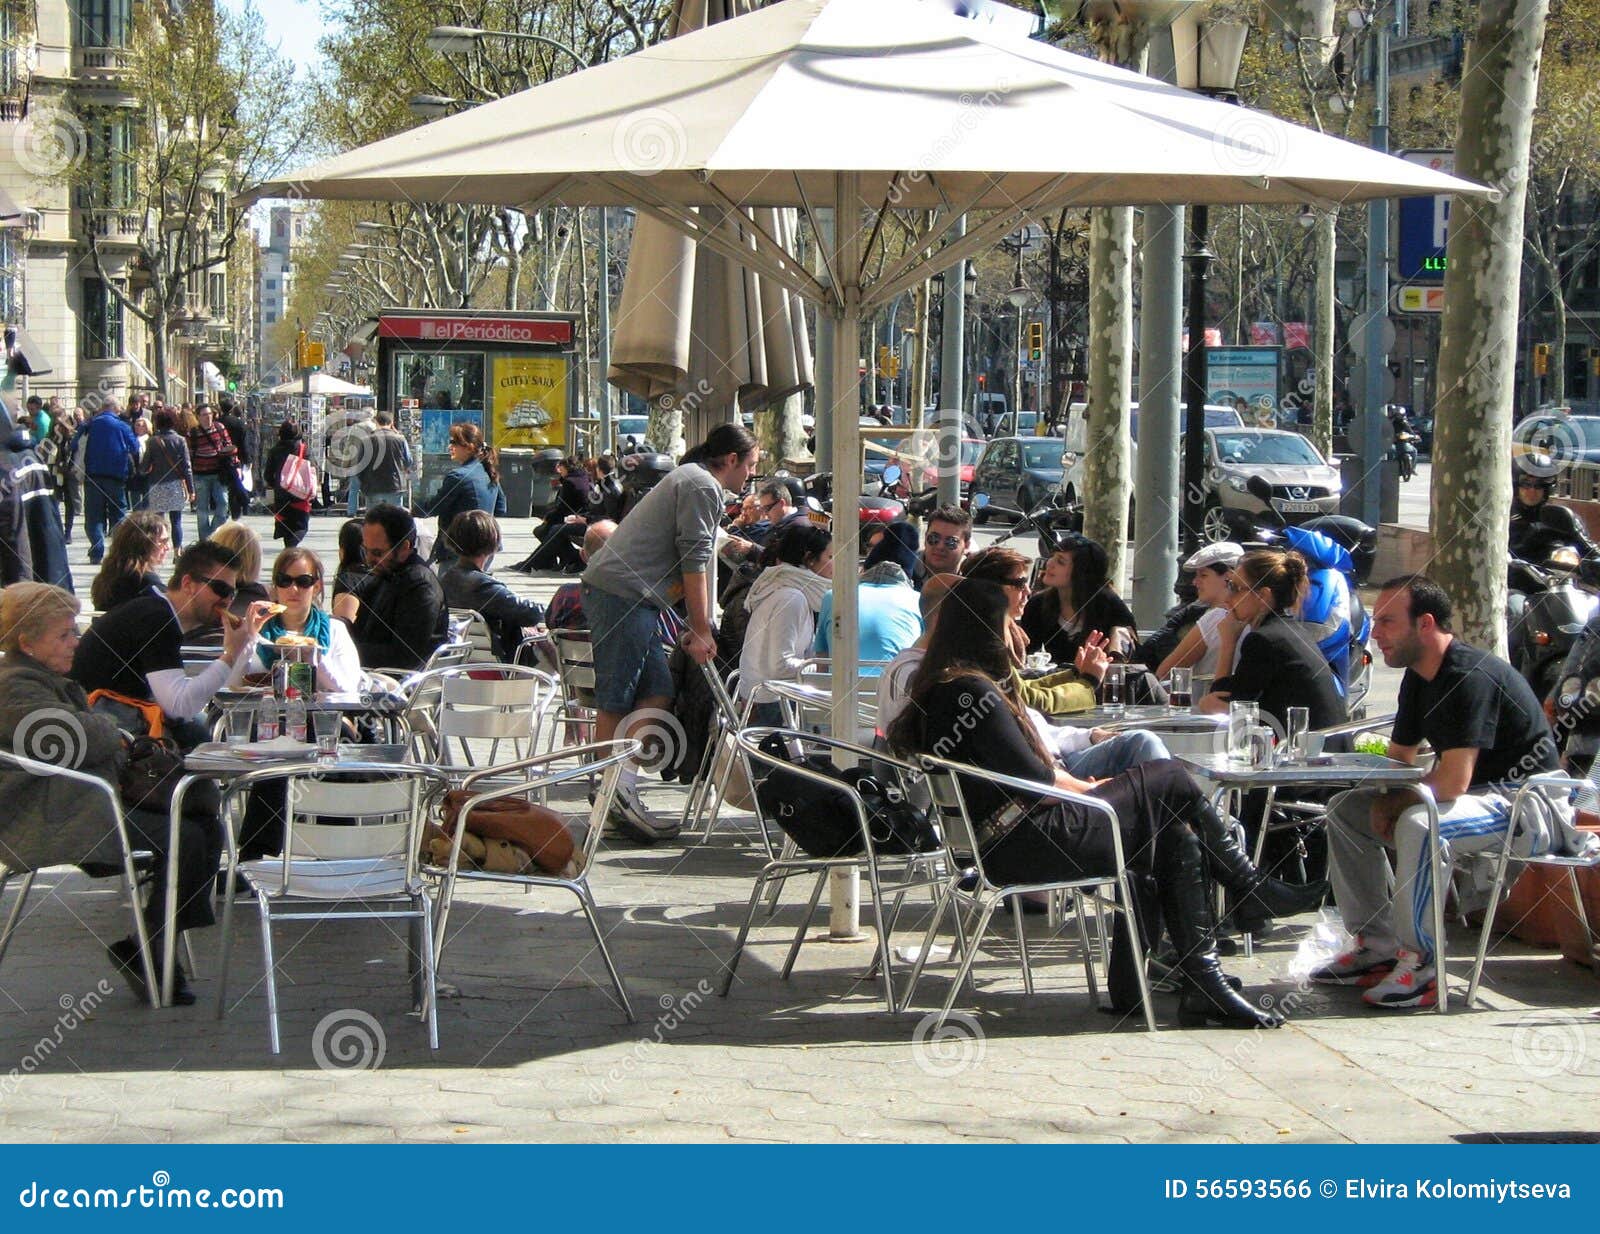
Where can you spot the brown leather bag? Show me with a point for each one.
(537, 830)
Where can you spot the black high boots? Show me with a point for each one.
(1257, 898)
(1185, 904)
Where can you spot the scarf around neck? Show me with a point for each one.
(318, 626)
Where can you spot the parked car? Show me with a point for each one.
(1014, 475)
(630, 432)
(1557, 440)
(1076, 442)
(1304, 485)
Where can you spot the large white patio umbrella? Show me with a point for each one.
(864, 106)
(320, 383)
(694, 322)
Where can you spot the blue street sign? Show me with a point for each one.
(1424, 225)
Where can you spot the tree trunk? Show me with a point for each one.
(779, 432)
(1471, 495)
(158, 351)
(918, 398)
(1107, 479)
(1322, 413)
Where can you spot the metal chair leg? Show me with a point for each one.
(272, 973)
(188, 954)
(805, 924)
(941, 898)
(1083, 941)
(590, 912)
(1583, 919)
(966, 964)
(1022, 944)
(430, 980)
(15, 915)
(744, 931)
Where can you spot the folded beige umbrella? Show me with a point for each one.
(696, 326)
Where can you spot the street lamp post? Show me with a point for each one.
(957, 284)
(1207, 56)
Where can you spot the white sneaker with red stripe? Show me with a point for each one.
(1360, 965)
(1412, 983)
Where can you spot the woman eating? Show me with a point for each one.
(1078, 600)
(963, 707)
(297, 590)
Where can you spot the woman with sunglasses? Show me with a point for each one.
(472, 484)
(297, 585)
(962, 707)
(1078, 600)
(1280, 665)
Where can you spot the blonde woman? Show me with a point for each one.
(245, 546)
(52, 820)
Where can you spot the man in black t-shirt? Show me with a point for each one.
(1488, 733)
(136, 648)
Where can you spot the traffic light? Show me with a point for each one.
(1541, 359)
(1594, 361)
(883, 359)
(301, 344)
(1036, 340)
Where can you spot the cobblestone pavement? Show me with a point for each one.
(533, 1046)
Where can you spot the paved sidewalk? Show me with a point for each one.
(533, 1046)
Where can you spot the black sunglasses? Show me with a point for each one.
(224, 590)
(307, 581)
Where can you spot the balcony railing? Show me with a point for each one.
(103, 62)
(115, 226)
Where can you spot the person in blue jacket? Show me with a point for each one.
(472, 484)
(111, 456)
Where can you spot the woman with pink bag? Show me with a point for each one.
(291, 512)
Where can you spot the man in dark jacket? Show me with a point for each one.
(387, 462)
(112, 453)
(1537, 523)
(396, 613)
(228, 415)
(32, 546)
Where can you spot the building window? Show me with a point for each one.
(110, 158)
(217, 293)
(101, 322)
(10, 54)
(10, 272)
(104, 23)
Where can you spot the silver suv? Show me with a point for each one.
(1303, 485)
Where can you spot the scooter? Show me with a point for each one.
(872, 514)
(1405, 452)
(1547, 607)
(1052, 521)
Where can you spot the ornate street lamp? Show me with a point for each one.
(1207, 55)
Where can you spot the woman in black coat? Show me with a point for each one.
(558, 538)
(291, 515)
(1278, 663)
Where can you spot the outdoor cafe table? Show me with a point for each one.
(212, 761)
(1338, 771)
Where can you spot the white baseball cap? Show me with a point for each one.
(1225, 554)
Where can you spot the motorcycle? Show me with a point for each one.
(1351, 534)
(873, 512)
(1332, 602)
(1405, 452)
(1052, 521)
(1547, 608)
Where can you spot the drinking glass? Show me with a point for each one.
(1180, 689)
(326, 726)
(1111, 697)
(1242, 718)
(1262, 740)
(241, 722)
(1294, 738)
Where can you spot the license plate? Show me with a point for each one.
(1297, 507)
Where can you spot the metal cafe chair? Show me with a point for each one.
(916, 869)
(498, 703)
(132, 859)
(351, 837)
(1523, 806)
(534, 777)
(983, 898)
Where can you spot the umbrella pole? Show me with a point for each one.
(844, 319)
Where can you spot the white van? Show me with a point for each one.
(1075, 445)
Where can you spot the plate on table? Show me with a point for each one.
(279, 751)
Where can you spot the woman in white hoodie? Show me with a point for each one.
(783, 604)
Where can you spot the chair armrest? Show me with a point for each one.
(627, 747)
(1368, 725)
